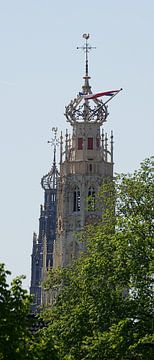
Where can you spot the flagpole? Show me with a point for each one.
(113, 96)
(104, 103)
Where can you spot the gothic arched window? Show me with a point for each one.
(76, 199)
(91, 199)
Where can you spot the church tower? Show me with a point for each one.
(70, 195)
(87, 158)
(42, 252)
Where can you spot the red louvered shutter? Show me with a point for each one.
(80, 143)
(90, 143)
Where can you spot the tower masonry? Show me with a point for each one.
(87, 158)
(42, 252)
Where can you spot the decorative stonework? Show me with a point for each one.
(79, 110)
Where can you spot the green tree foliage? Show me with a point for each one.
(19, 338)
(104, 308)
(14, 321)
(42, 346)
(14, 308)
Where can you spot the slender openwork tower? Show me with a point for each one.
(84, 162)
(42, 253)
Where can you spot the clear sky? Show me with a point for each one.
(41, 71)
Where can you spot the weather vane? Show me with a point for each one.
(86, 47)
(54, 141)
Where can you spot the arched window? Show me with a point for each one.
(91, 199)
(76, 199)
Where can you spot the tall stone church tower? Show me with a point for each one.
(70, 195)
(86, 161)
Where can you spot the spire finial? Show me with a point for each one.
(54, 142)
(86, 47)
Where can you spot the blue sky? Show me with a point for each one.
(41, 71)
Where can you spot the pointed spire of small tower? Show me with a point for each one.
(49, 181)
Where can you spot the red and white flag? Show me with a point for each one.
(104, 93)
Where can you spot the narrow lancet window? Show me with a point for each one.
(76, 199)
(91, 199)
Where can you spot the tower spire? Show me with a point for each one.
(49, 181)
(86, 47)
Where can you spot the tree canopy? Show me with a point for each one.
(14, 322)
(104, 304)
(104, 308)
(20, 338)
